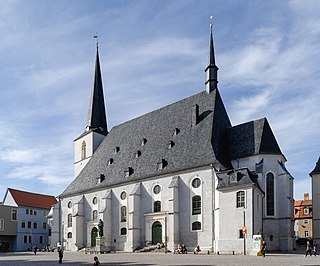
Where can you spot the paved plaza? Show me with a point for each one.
(148, 259)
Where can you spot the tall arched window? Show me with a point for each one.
(69, 235)
(241, 200)
(69, 220)
(196, 205)
(83, 150)
(157, 206)
(123, 215)
(95, 215)
(270, 193)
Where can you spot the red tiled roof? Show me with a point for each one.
(23, 198)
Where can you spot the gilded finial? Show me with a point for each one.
(211, 17)
(97, 43)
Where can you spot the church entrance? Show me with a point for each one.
(156, 233)
(94, 234)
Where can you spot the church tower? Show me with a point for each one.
(96, 127)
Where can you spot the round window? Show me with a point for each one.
(69, 204)
(95, 200)
(123, 195)
(157, 189)
(196, 182)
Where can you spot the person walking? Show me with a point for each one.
(264, 248)
(60, 254)
(308, 249)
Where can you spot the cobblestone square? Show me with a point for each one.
(149, 259)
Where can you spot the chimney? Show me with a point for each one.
(194, 115)
(306, 196)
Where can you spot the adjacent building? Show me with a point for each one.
(303, 217)
(180, 174)
(315, 176)
(31, 214)
(8, 227)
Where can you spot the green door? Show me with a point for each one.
(156, 233)
(94, 234)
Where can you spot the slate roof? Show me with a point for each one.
(252, 138)
(237, 177)
(194, 146)
(29, 199)
(316, 170)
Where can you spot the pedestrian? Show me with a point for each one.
(308, 249)
(264, 248)
(314, 249)
(96, 261)
(60, 254)
(34, 249)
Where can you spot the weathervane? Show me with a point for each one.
(96, 37)
(211, 17)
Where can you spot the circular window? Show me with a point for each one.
(123, 195)
(157, 189)
(69, 204)
(196, 182)
(95, 200)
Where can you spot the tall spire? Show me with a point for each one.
(211, 70)
(97, 114)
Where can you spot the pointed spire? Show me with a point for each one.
(97, 114)
(211, 70)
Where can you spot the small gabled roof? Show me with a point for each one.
(316, 170)
(29, 199)
(235, 178)
(252, 138)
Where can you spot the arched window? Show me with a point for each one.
(241, 200)
(83, 150)
(69, 220)
(157, 206)
(123, 231)
(196, 205)
(95, 215)
(123, 215)
(196, 226)
(69, 235)
(270, 194)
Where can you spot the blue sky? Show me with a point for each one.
(152, 53)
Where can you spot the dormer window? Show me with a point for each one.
(102, 178)
(137, 154)
(116, 150)
(171, 144)
(176, 132)
(110, 161)
(129, 171)
(143, 142)
(162, 164)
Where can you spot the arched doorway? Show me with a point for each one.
(94, 234)
(156, 233)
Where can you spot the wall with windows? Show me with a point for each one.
(33, 229)
(278, 228)
(8, 227)
(84, 148)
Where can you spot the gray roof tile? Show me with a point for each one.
(195, 146)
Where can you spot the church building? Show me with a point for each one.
(181, 174)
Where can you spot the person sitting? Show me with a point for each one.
(197, 249)
(96, 261)
(183, 249)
